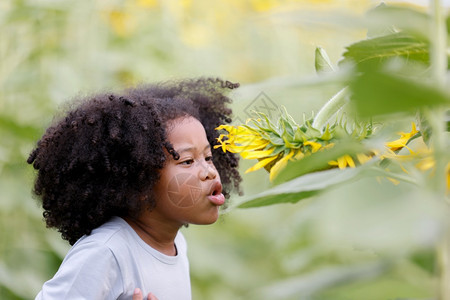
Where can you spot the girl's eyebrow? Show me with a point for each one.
(190, 149)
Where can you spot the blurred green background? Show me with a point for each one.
(53, 50)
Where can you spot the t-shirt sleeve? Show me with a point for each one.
(89, 271)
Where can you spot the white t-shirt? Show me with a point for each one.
(112, 261)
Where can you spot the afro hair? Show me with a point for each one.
(103, 157)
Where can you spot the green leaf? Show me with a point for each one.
(275, 139)
(425, 128)
(319, 160)
(377, 50)
(300, 188)
(326, 136)
(322, 61)
(299, 135)
(308, 285)
(377, 93)
(447, 120)
(278, 199)
(311, 132)
(288, 130)
(387, 19)
(448, 25)
(380, 28)
(426, 259)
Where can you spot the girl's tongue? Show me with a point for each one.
(217, 199)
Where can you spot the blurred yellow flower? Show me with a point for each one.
(422, 156)
(403, 140)
(363, 158)
(122, 23)
(264, 5)
(195, 35)
(147, 3)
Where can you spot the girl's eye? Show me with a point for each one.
(187, 162)
(208, 158)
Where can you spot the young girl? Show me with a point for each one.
(119, 175)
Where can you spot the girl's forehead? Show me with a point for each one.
(180, 122)
(187, 131)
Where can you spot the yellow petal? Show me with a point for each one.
(342, 163)
(397, 144)
(262, 163)
(237, 149)
(299, 155)
(315, 146)
(403, 140)
(250, 147)
(350, 161)
(250, 140)
(333, 163)
(330, 145)
(394, 181)
(224, 148)
(426, 163)
(362, 158)
(279, 165)
(228, 128)
(220, 138)
(345, 161)
(256, 154)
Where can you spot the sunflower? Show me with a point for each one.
(274, 145)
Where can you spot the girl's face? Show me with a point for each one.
(189, 189)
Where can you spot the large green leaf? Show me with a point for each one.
(386, 19)
(377, 93)
(448, 25)
(301, 187)
(319, 160)
(379, 49)
(307, 285)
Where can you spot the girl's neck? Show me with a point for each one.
(156, 234)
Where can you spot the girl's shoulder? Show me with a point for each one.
(115, 235)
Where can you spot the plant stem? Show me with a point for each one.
(438, 57)
(330, 108)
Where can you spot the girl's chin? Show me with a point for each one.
(211, 219)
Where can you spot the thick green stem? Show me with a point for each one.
(330, 108)
(438, 56)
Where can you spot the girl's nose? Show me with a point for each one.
(207, 171)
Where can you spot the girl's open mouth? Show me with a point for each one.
(216, 197)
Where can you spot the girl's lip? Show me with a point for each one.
(217, 199)
(215, 196)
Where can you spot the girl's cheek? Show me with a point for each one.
(184, 190)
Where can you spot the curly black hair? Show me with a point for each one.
(103, 157)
